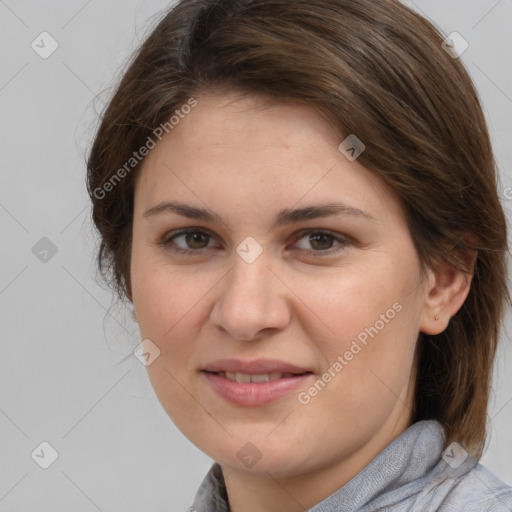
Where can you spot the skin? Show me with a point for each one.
(245, 159)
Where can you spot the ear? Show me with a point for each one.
(446, 292)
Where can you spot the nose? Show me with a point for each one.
(252, 301)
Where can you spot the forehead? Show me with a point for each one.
(250, 120)
(246, 148)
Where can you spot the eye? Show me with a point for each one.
(313, 241)
(320, 241)
(191, 241)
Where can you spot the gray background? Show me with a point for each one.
(66, 376)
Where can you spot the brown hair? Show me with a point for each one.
(378, 70)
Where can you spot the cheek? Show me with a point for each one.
(161, 301)
(167, 302)
(150, 299)
(162, 293)
(352, 300)
(369, 317)
(171, 304)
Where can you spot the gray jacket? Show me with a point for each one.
(412, 474)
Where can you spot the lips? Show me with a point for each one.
(255, 367)
(245, 378)
(255, 394)
(254, 383)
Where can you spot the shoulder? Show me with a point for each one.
(478, 490)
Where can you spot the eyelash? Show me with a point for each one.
(166, 241)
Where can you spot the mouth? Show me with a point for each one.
(255, 389)
(255, 367)
(247, 378)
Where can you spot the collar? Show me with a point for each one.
(401, 470)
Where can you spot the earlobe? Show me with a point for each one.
(448, 288)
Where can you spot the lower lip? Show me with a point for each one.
(254, 394)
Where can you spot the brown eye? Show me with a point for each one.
(196, 240)
(188, 241)
(320, 241)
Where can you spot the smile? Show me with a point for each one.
(252, 390)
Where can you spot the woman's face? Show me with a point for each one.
(335, 292)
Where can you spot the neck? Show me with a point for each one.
(300, 492)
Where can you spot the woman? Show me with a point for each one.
(299, 199)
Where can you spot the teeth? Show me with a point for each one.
(242, 377)
(260, 378)
(245, 378)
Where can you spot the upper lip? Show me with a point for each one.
(255, 367)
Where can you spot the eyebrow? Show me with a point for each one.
(283, 217)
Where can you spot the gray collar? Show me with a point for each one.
(406, 467)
